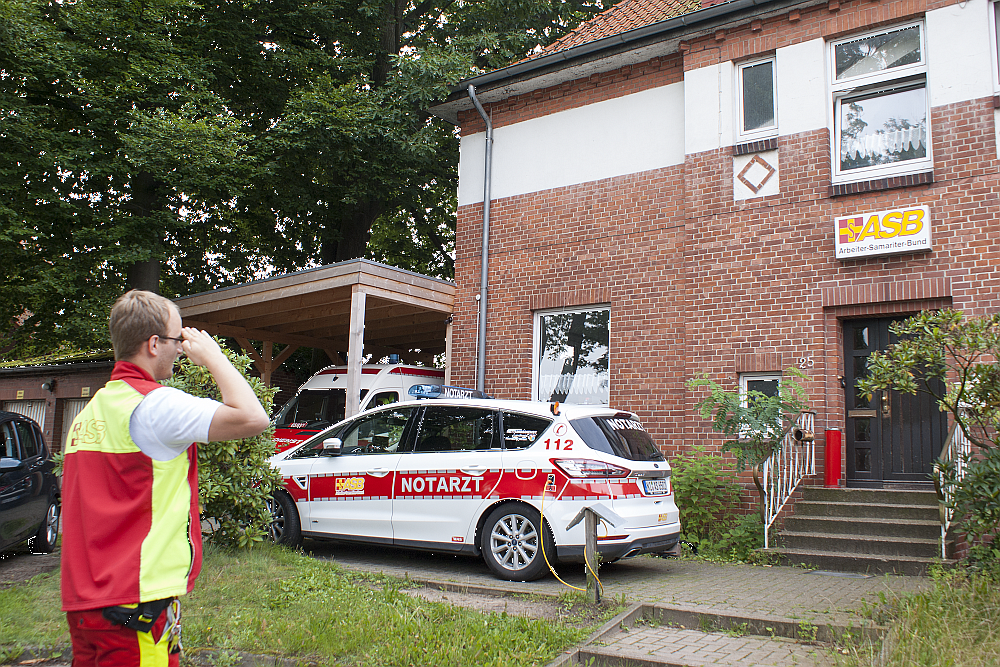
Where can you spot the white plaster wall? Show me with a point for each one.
(803, 99)
(959, 62)
(625, 135)
(709, 114)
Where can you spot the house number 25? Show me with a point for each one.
(805, 362)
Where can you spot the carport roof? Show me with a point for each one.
(403, 311)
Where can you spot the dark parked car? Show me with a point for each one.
(29, 489)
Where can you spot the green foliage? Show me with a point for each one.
(708, 496)
(951, 623)
(741, 539)
(757, 424)
(222, 142)
(235, 479)
(281, 603)
(961, 355)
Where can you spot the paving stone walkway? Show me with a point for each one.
(669, 646)
(789, 593)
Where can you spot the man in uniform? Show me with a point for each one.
(131, 528)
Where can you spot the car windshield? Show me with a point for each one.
(620, 435)
(313, 408)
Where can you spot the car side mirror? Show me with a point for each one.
(8, 464)
(331, 446)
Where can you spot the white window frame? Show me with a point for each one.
(756, 375)
(764, 132)
(747, 377)
(536, 340)
(994, 12)
(875, 82)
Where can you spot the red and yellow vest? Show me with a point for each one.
(131, 528)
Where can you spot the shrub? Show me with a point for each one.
(234, 478)
(754, 423)
(706, 495)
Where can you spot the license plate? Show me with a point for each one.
(656, 487)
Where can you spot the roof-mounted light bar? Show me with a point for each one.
(444, 391)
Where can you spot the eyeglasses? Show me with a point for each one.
(179, 340)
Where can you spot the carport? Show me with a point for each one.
(358, 306)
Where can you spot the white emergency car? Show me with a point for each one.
(501, 479)
(321, 400)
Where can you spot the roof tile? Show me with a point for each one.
(622, 17)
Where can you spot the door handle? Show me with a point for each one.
(474, 469)
(379, 472)
(885, 403)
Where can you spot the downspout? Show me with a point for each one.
(484, 261)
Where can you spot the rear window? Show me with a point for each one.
(313, 409)
(620, 435)
(520, 431)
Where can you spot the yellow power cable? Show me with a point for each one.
(552, 569)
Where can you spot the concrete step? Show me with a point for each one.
(888, 511)
(878, 496)
(862, 544)
(857, 562)
(835, 525)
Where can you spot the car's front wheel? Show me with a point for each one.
(44, 540)
(285, 527)
(512, 541)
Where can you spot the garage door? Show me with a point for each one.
(71, 408)
(33, 409)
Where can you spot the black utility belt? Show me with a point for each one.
(139, 618)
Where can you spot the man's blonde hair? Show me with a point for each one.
(135, 317)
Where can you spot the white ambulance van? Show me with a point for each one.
(322, 399)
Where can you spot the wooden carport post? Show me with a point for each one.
(355, 350)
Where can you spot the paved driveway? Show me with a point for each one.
(740, 590)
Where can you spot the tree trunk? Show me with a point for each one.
(146, 199)
(760, 492)
(355, 229)
(144, 275)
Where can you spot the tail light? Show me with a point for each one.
(590, 468)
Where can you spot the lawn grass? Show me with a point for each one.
(274, 601)
(953, 623)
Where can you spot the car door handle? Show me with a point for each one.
(379, 472)
(474, 469)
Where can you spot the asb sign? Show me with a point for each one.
(896, 230)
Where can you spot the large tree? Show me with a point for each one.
(176, 146)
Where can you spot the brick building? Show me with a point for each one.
(734, 189)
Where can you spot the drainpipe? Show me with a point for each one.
(484, 262)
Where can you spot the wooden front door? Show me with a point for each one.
(891, 437)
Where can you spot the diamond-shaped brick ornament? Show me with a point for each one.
(756, 174)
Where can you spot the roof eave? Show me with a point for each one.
(505, 82)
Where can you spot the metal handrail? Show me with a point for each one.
(956, 450)
(784, 469)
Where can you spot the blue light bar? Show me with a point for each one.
(444, 391)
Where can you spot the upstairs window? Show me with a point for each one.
(756, 100)
(995, 35)
(880, 104)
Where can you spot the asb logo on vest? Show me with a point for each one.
(898, 230)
